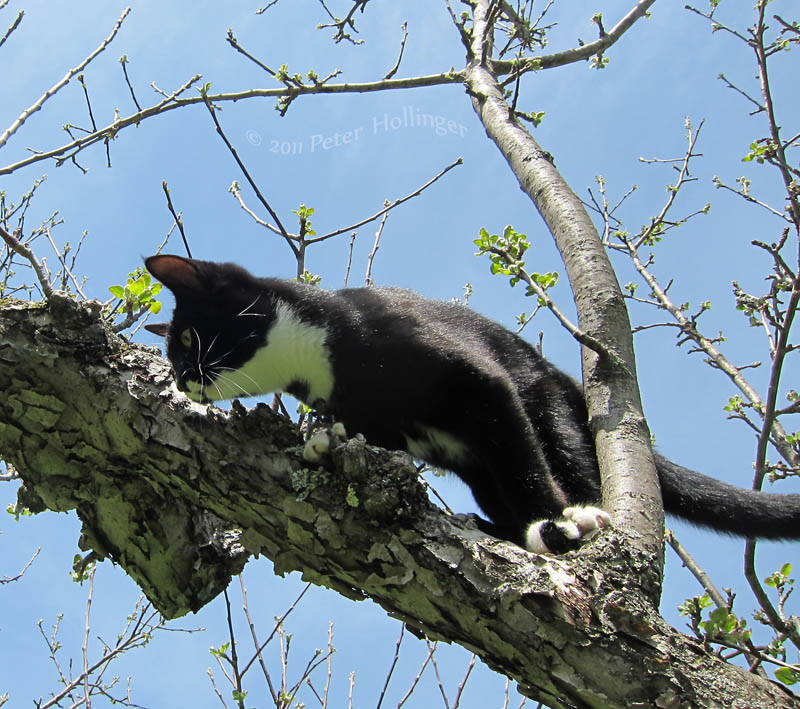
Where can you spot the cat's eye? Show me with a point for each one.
(186, 338)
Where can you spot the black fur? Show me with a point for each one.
(403, 366)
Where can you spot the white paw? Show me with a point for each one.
(537, 532)
(579, 525)
(319, 444)
(588, 519)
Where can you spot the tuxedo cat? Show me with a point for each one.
(435, 379)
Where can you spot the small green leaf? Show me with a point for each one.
(137, 287)
(787, 675)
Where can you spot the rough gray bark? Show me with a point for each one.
(180, 496)
(631, 492)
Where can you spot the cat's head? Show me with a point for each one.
(221, 318)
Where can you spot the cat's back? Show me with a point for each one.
(389, 307)
(403, 318)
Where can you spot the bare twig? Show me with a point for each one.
(123, 60)
(85, 649)
(276, 628)
(392, 666)
(176, 217)
(463, 683)
(60, 84)
(11, 579)
(349, 257)
(250, 180)
(416, 679)
(14, 26)
(63, 262)
(396, 66)
(389, 206)
(25, 251)
(237, 677)
(375, 246)
(688, 561)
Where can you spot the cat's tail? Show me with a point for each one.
(732, 510)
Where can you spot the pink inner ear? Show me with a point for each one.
(175, 272)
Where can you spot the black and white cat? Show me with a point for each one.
(435, 379)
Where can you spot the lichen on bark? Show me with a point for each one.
(181, 496)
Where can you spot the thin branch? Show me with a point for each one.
(171, 102)
(123, 60)
(86, 631)
(59, 85)
(11, 579)
(277, 627)
(237, 685)
(14, 26)
(688, 561)
(432, 646)
(259, 648)
(82, 81)
(349, 258)
(63, 263)
(176, 217)
(576, 54)
(719, 184)
(392, 666)
(25, 251)
(416, 679)
(460, 690)
(239, 162)
(672, 190)
(759, 107)
(396, 66)
(375, 246)
(389, 206)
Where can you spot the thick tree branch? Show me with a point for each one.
(630, 486)
(179, 496)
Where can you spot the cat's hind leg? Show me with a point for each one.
(578, 525)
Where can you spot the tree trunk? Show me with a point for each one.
(631, 492)
(180, 495)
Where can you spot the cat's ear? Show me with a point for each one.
(157, 328)
(178, 274)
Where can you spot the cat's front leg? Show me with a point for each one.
(578, 525)
(322, 440)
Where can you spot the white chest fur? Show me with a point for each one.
(295, 352)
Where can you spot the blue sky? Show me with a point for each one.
(597, 122)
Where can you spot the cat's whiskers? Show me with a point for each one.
(211, 346)
(242, 373)
(244, 312)
(219, 391)
(199, 354)
(220, 358)
(230, 381)
(205, 369)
